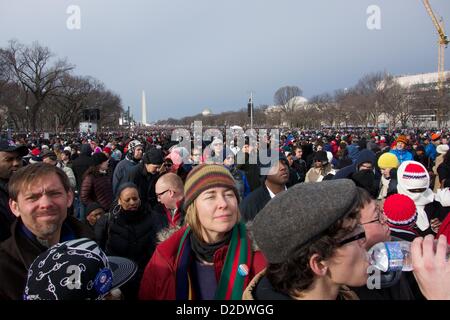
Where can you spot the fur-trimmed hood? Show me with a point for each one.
(168, 232)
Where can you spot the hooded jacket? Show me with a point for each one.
(363, 156)
(122, 173)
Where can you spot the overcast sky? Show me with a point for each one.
(191, 54)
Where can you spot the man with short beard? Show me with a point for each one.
(39, 197)
(10, 161)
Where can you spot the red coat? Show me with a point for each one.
(445, 228)
(158, 281)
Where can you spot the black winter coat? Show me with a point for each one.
(125, 234)
(399, 291)
(254, 203)
(6, 216)
(128, 235)
(80, 166)
(146, 185)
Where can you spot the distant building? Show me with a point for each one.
(425, 84)
(295, 103)
(206, 112)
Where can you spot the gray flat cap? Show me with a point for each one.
(296, 216)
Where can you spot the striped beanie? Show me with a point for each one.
(204, 177)
(413, 175)
(400, 210)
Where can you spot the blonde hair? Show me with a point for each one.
(191, 219)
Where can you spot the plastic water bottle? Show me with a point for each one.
(392, 256)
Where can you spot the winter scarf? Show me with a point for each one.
(420, 200)
(233, 275)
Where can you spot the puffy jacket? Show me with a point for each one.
(402, 155)
(97, 189)
(126, 235)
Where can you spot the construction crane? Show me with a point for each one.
(443, 42)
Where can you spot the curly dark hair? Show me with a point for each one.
(295, 274)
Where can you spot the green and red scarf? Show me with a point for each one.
(234, 275)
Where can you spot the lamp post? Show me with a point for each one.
(28, 119)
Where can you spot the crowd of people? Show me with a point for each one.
(138, 216)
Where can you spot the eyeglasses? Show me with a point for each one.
(161, 193)
(381, 218)
(358, 236)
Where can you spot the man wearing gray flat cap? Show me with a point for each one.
(313, 242)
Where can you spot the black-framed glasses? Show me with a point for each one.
(161, 193)
(358, 236)
(381, 218)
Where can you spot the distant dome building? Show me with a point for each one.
(296, 102)
(206, 112)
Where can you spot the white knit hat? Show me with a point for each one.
(442, 148)
(413, 175)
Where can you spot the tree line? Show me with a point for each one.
(376, 99)
(39, 91)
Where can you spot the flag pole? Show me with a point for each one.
(251, 110)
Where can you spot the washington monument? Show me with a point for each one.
(144, 109)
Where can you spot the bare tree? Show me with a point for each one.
(327, 107)
(284, 97)
(366, 95)
(31, 67)
(395, 101)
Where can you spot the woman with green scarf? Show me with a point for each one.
(211, 257)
